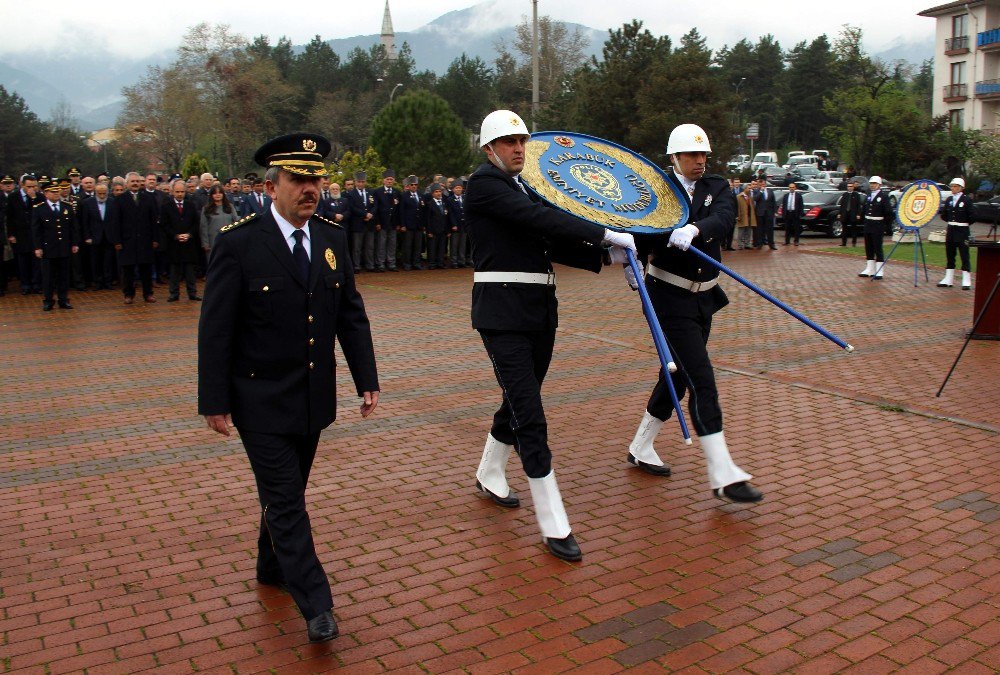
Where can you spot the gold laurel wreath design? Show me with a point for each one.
(666, 215)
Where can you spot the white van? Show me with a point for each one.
(763, 158)
(802, 160)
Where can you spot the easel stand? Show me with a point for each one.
(918, 246)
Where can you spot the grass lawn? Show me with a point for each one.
(933, 251)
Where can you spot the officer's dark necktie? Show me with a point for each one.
(300, 255)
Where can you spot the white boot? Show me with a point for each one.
(966, 281)
(552, 519)
(880, 266)
(641, 452)
(492, 472)
(722, 471)
(868, 270)
(949, 279)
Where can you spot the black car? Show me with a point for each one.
(988, 211)
(821, 210)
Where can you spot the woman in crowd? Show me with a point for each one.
(218, 213)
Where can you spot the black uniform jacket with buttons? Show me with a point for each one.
(878, 213)
(712, 211)
(54, 233)
(266, 339)
(514, 232)
(961, 212)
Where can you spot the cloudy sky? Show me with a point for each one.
(152, 27)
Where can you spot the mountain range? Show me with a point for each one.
(88, 86)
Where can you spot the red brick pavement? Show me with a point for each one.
(129, 529)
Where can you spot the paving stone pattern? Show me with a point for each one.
(129, 530)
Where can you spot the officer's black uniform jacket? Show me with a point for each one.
(54, 234)
(712, 210)
(962, 212)
(266, 340)
(877, 213)
(514, 232)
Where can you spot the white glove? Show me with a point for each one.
(623, 239)
(682, 237)
(618, 255)
(630, 278)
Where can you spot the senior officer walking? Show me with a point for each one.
(958, 212)
(515, 240)
(877, 213)
(685, 294)
(280, 288)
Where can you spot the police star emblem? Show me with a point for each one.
(698, 139)
(309, 145)
(331, 259)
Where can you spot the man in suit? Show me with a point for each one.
(764, 207)
(179, 224)
(200, 195)
(793, 209)
(850, 214)
(959, 213)
(96, 214)
(362, 223)
(459, 234)
(436, 225)
(256, 202)
(56, 237)
(336, 207)
(515, 239)
(6, 188)
(136, 237)
(685, 294)
(280, 290)
(19, 208)
(387, 205)
(411, 218)
(878, 214)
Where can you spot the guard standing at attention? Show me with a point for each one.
(515, 240)
(279, 290)
(685, 293)
(877, 214)
(56, 237)
(959, 213)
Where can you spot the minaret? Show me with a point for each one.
(388, 36)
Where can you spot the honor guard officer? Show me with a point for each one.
(877, 213)
(515, 240)
(56, 237)
(685, 294)
(959, 213)
(280, 289)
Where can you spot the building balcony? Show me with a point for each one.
(988, 39)
(955, 92)
(988, 89)
(956, 45)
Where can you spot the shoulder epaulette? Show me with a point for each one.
(327, 221)
(38, 204)
(241, 221)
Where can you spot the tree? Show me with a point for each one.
(352, 162)
(984, 154)
(28, 144)
(167, 107)
(467, 86)
(194, 165)
(420, 134)
(756, 74)
(811, 76)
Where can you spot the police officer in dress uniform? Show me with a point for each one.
(56, 237)
(685, 294)
(959, 213)
(877, 212)
(515, 240)
(280, 289)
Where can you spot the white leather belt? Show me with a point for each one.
(875, 217)
(515, 278)
(959, 224)
(681, 282)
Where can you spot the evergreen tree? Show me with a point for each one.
(420, 134)
(467, 86)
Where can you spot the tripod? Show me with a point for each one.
(918, 245)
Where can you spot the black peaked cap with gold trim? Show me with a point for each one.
(298, 153)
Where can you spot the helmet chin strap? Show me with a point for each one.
(677, 166)
(495, 159)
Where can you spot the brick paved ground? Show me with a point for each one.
(129, 530)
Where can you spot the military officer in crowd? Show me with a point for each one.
(387, 205)
(363, 222)
(850, 214)
(56, 237)
(685, 294)
(459, 233)
(515, 240)
(436, 226)
(878, 213)
(280, 290)
(959, 212)
(411, 218)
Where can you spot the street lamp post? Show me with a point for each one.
(393, 92)
(738, 112)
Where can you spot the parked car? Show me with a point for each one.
(763, 159)
(805, 172)
(988, 211)
(833, 176)
(738, 163)
(814, 186)
(820, 211)
(776, 175)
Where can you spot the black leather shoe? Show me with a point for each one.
(510, 501)
(46, 306)
(322, 627)
(276, 582)
(652, 469)
(173, 298)
(194, 298)
(564, 549)
(65, 305)
(741, 492)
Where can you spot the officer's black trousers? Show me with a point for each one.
(436, 245)
(687, 337)
(873, 246)
(960, 247)
(285, 548)
(521, 360)
(55, 277)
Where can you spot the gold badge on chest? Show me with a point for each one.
(331, 259)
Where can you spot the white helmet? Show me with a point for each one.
(957, 181)
(500, 123)
(875, 179)
(688, 138)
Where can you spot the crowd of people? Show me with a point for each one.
(101, 231)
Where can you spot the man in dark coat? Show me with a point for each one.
(335, 207)
(6, 188)
(437, 224)
(850, 214)
(878, 214)
(180, 225)
(136, 236)
(515, 240)
(280, 290)
(765, 208)
(959, 213)
(793, 209)
(19, 208)
(387, 204)
(685, 294)
(56, 237)
(362, 223)
(459, 231)
(256, 202)
(96, 215)
(411, 219)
